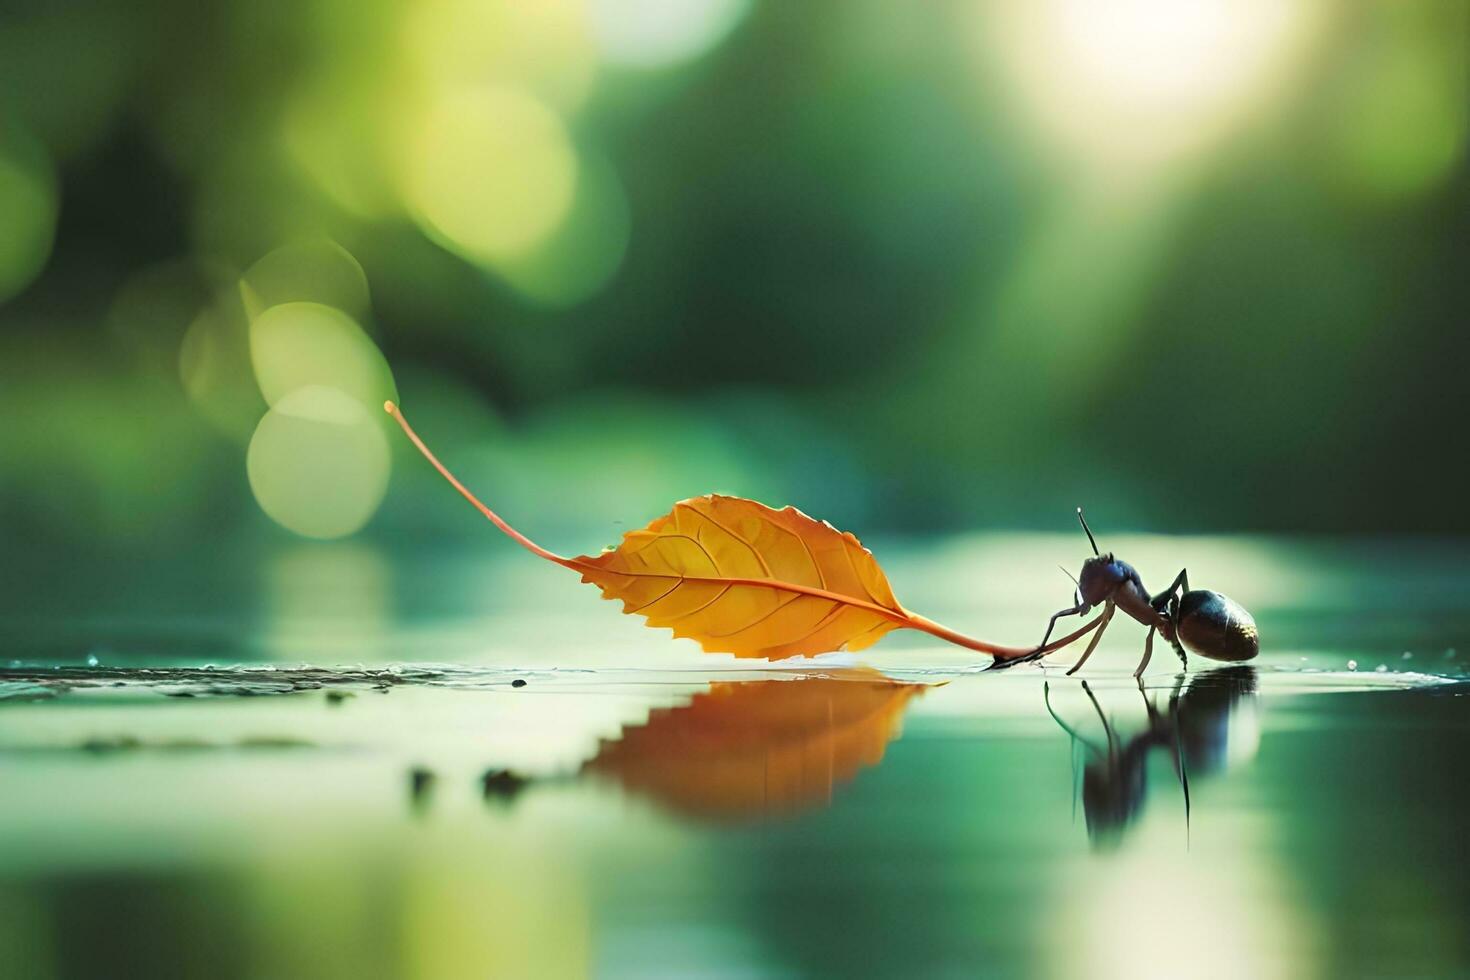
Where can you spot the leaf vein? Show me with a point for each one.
(642, 606)
(758, 620)
(726, 588)
(738, 537)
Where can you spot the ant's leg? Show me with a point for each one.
(1148, 652)
(1096, 637)
(1182, 579)
(1173, 616)
(1081, 609)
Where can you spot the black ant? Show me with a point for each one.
(1208, 623)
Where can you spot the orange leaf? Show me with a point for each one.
(751, 747)
(742, 578)
(720, 570)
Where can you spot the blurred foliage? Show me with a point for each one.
(1195, 264)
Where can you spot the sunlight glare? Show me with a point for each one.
(1146, 78)
(1167, 913)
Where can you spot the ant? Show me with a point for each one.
(1208, 623)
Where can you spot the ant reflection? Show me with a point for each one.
(1194, 731)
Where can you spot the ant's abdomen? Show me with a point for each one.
(1218, 627)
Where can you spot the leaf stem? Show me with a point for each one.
(493, 517)
(902, 617)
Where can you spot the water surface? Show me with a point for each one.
(468, 767)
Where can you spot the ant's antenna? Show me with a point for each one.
(1088, 530)
(1077, 592)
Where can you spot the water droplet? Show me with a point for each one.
(1352, 665)
(1408, 655)
(92, 660)
(1450, 654)
(1382, 669)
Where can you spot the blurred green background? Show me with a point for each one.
(937, 273)
(1198, 266)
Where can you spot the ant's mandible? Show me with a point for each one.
(1208, 623)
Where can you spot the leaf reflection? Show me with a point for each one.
(747, 749)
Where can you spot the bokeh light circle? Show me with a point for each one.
(544, 48)
(659, 33)
(317, 271)
(490, 173)
(318, 463)
(1402, 125)
(587, 251)
(294, 345)
(28, 210)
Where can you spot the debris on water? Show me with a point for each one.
(1382, 669)
(1450, 654)
(335, 698)
(1407, 656)
(518, 682)
(420, 781)
(501, 784)
(247, 680)
(101, 745)
(1352, 665)
(273, 742)
(115, 744)
(92, 660)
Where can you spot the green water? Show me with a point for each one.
(639, 809)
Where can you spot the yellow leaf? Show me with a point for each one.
(719, 570)
(753, 747)
(743, 578)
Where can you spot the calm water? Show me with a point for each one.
(638, 809)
